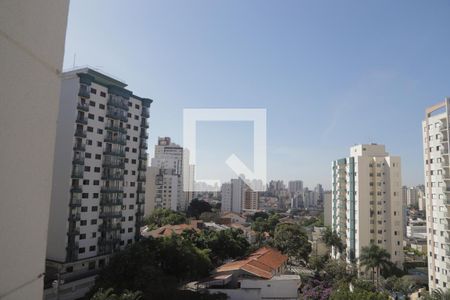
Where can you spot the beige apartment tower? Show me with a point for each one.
(437, 193)
(98, 195)
(367, 201)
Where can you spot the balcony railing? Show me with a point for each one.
(80, 133)
(144, 123)
(83, 106)
(142, 167)
(75, 202)
(108, 189)
(144, 135)
(81, 120)
(141, 177)
(109, 241)
(77, 174)
(120, 153)
(76, 189)
(75, 217)
(111, 215)
(115, 140)
(114, 164)
(145, 113)
(143, 145)
(74, 231)
(141, 189)
(84, 91)
(143, 155)
(112, 176)
(78, 161)
(111, 201)
(110, 227)
(79, 147)
(116, 116)
(116, 129)
(119, 104)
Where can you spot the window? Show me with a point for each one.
(135, 128)
(128, 137)
(94, 208)
(134, 150)
(97, 169)
(129, 115)
(97, 182)
(136, 117)
(95, 195)
(132, 183)
(129, 241)
(91, 116)
(130, 218)
(130, 229)
(98, 156)
(127, 149)
(81, 250)
(84, 209)
(135, 139)
(87, 168)
(131, 206)
(85, 195)
(93, 91)
(99, 144)
(101, 119)
(131, 196)
(82, 236)
(100, 131)
(133, 161)
(93, 221)
(103, 94)
(92, 103)
(89, 142)
(90, 129)
(86, 182)
(101, 106)
(94, 234)
(83, 222)
(137, 106)
(87, 155)
(92, 263)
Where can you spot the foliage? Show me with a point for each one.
(161, 216)
(399, 285)
(332, 239)
(109, 295)
(343, 293)
(318, 262)
(292, 240)
(375, 258)
(312, 221)
(155, 267)
(316, 289)
(260, 214)
(262, 225)
(209, 217)
(197, 207)
(336, 271)
(221, 245)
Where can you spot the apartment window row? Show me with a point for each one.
(88, 169)
(97, 156)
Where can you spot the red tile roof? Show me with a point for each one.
(263, 263)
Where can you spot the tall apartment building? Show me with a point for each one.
(367, 201)
(32, 49)
(237, 196)
(166, 177)
(295, 187)
(437, 193)
(97, 203)
(251, 199)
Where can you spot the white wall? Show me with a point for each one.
(32, 37)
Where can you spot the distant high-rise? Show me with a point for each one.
(237, 196)
(367, 201)
(295, 187)
(437, 193)
(97, 203)
(166, 178)
(327, 208)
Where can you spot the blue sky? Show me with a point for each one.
(330, 73)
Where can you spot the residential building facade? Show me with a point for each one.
(367, 201)
(437, 193)
(32, 39)
(97, 201)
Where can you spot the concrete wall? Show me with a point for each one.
(32, 37)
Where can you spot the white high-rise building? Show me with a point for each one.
(367, 201)
(437, 193)
(31, 47)
(327, 208)
(97, 201)
(237, 196)
(166, 178)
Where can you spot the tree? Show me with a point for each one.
(343, 293)
(109, 295)
(209, 217)
(399, 285)
(332, 239)
(438, 294)
(375, 258)
(161, 216)
(197, 207)
(292, 240)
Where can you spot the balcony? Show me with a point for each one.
(114, 164)
(116, 129)
(109, 241)
(74, 231)
(76, 189)
(75, 202)
(142, 167)
(115, 140)
(139, 213)
(144, 123)
(118, 103)
(77, 174)
(80, 133)
(79, 147)
(116, 116)
(81, 120)
(143, 155)
(112, 176)
(109, 227)
(444, 151)
(141, 177)
(83, 106)
(78, 161)
(111, 215)
(75, 217)
(144, 135)
(107, 189)
(111, 201)
(145, 112)
(117, 152)
(143, 145)
(84, 91)
(141, 189)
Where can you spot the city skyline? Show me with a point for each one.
(286, 58)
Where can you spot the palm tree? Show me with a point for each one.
(332, 239)
(375, 258)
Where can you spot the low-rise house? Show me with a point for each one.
(318, 246)
(262, 275)
(231, 217)
(249, 233)
(168, 230)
